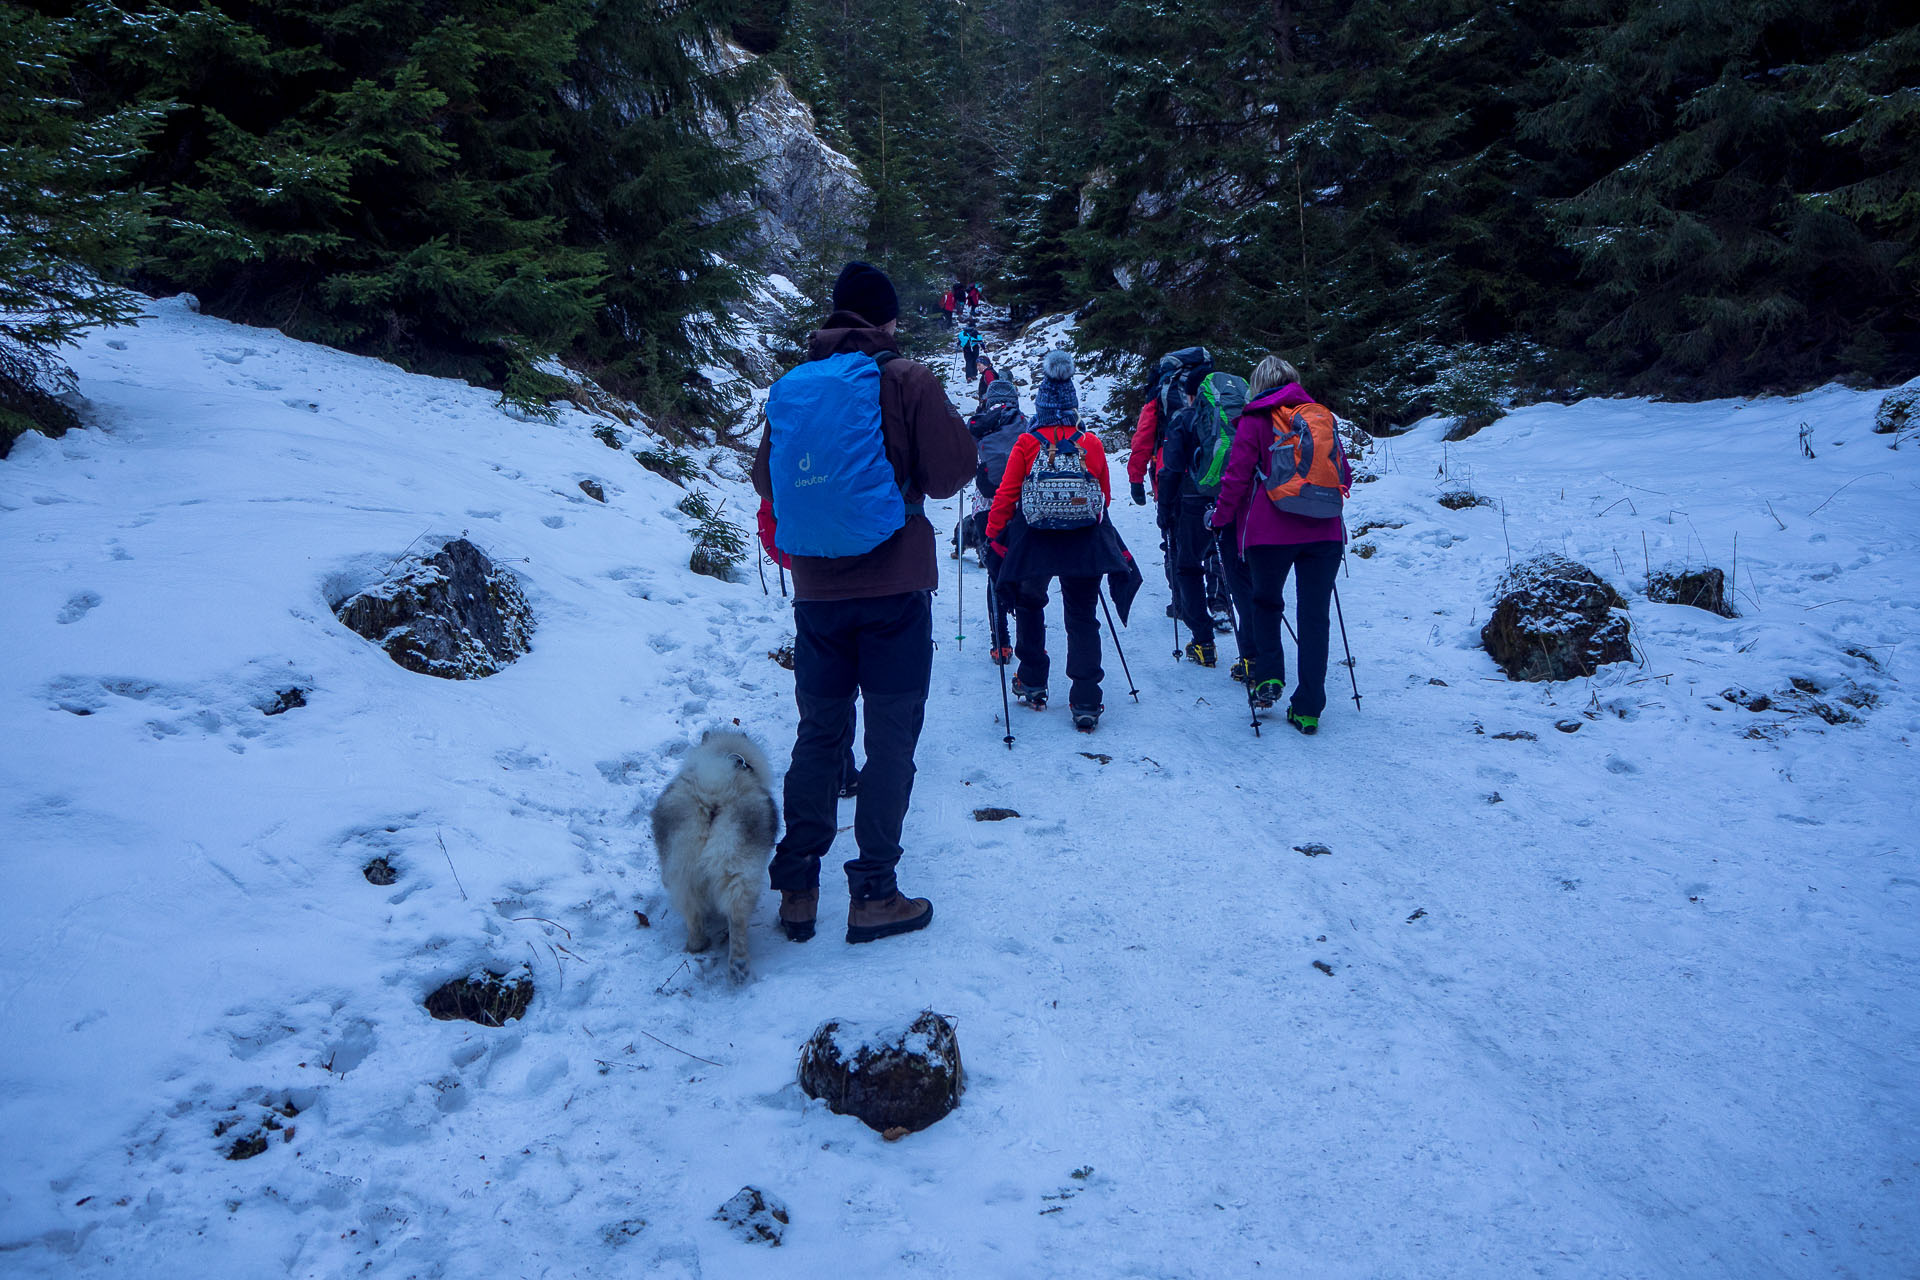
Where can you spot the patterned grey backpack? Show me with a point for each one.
(1059, 492)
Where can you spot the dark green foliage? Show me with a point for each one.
(462, 188)
(1448, 207)
(68, 215)
(1749, 209)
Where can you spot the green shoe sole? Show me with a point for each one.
(1308, 725)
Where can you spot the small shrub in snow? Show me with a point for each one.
(668, 463)
(380, 872)
(1463, 499)
(488, 998)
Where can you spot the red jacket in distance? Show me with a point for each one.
(973, 297)
(1020, 461)
(1146, 445)
(946, 302)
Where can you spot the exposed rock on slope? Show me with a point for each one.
(1555, 619)
(454, 614)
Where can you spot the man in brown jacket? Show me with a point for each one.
(864, 627)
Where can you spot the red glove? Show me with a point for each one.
(998, 549)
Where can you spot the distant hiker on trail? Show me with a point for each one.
(1287, 518)
(973, 299)
(857, 439)
(987, 376)
(947, 304)
(996, 428)
(1049, 521)
(970, 348)
(1181, 510)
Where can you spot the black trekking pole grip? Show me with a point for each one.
(1115, 633)
(1341, 614)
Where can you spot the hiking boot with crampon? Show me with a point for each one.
(1267, 692)
(1001, 656)
(1201, 653)
(1087, 719)
(1035, 698)
(1241, 670)
(1308, 725)
(869, 920)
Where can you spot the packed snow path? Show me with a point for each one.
(1631, 1000)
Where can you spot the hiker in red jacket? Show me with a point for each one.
(947, 304)
(1078, 555)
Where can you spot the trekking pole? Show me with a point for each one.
(997, 631)
(760, 562)
(1344, 645)
(959, 588)
(1115, 632)
(783, 578)
(1253, 712)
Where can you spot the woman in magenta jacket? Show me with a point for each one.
(1276, 542)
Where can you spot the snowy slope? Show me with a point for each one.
(1651, 1012)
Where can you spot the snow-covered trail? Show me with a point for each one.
(1650, 1012)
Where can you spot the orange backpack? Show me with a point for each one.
(1304, 474)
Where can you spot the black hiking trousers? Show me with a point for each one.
(1239, 578)
(1184, 518)
(1079, 598)
(880, 651)
(1314, 565)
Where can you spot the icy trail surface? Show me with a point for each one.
(1634, 999)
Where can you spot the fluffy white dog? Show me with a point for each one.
(714, 827)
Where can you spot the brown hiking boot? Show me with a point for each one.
(876, 918)
(798, 907)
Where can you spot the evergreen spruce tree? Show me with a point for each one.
(1746, 221)
(68, 217)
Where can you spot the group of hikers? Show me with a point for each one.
(859, 438)
(958, 295)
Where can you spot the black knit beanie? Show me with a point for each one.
(865, 290)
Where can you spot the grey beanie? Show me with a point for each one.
(1056, 401)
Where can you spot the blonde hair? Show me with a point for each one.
(1270, 373)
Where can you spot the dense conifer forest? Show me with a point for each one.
(1432, 207)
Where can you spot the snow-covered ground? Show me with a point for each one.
(1635, 1000)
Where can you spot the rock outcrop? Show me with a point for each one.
(453, 614)
(1700, 588)
(1554, 619)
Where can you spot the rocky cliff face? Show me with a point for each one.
(809, 205)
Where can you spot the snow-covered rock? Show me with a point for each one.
(1555, 619)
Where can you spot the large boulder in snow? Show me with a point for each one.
(1554, 619)
(895, 1082)
(453, 614)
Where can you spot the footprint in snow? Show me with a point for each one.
(78, 606)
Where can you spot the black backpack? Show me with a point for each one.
(1179, 390)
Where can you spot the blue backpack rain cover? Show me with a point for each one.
(834, 492)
